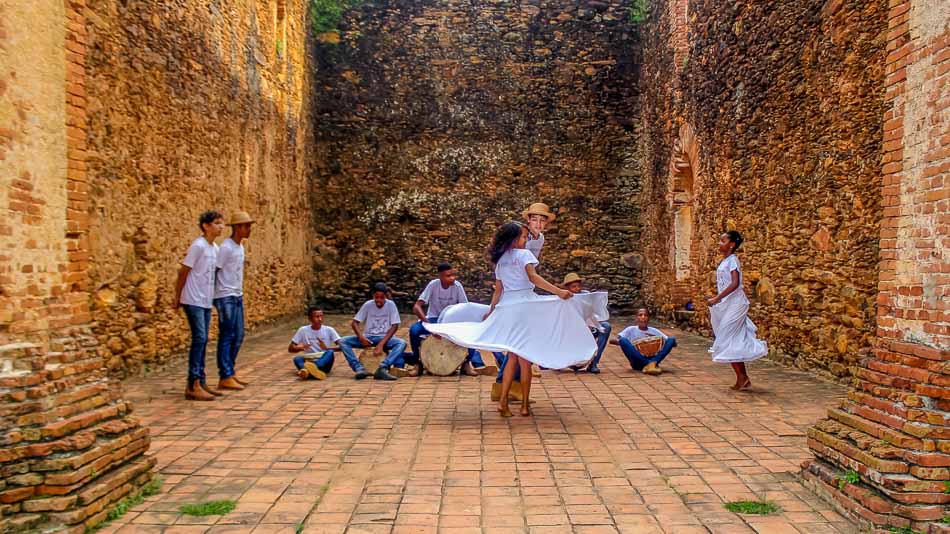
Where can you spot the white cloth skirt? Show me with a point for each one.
(545, 330)
(735, 332)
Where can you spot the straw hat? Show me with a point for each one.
(240, 217)
(571, 277)
(539, 208)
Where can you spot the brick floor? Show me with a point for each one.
(615, 452)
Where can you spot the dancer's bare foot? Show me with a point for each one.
(525, 409)
(504, 411)
(747, 384)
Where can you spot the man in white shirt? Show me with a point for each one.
(538, 216)
(648, 364)
(315, 341)
(601, 331)
(375, 325)
(439, 294)
(229, 299)
(194, 292)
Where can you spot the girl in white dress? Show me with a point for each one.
(548, 331)
(728, 312)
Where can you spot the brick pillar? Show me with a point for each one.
(69, 447)
(883, 456)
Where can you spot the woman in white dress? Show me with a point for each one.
(548, 331)
(728, 312)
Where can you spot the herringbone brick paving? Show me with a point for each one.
(615, 452)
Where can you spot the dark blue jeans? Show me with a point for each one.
(395, 346)
(324, 362)
(230, 333)
(418, 332)
(602, 339)
(639, 361)
(199, 320)
(502, 362)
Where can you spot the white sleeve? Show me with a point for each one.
(733, 263)
(223, 253)
(426, 294)
(625, 333)
(527, 258)
(393, 314)
(361, 315)
(192, 257)
(298, 336)
(462, 296)
(332, 334)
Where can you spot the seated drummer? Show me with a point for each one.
(642, 330)
(375, 325)
(439, 294)
(575, 284)
(316, 342)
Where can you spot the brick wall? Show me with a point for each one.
(894, 429)
(68, 445)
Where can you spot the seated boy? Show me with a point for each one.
(375, 325)
(574, 283)
(626, 338)
(439, 294)
(314, 341)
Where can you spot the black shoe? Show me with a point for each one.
(593, 369)
(361, 374)
(383, 374)
(420, 369)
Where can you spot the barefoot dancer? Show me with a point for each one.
(545, 330)
(728, 312)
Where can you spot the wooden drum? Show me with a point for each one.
(649, 346)
(370, 360)
(441, 357)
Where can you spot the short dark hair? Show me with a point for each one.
(736, 238)
(444, 266)
(311, 309)
(380, 287)
(208, 217)
(644, 308)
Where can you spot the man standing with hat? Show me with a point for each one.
(575, 284)
(229, 299)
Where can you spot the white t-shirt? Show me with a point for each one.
(199, 286)
(438, 298)
(376, 321)
(634, 333)
(307, 335)
(510, 269)
(534, 245)
(230, 279)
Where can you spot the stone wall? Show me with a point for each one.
(440, 120)
(771, 125)
(194, 106)
(69, 448)
(893, 431)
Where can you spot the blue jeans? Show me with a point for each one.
(230, 333)
(394, 346)
(199, 320)
(639, 361)
(502, 362)
(418, 332)
(324, 362)
(602, 339)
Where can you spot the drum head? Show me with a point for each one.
(441, 357)
(649, 346)
(369, 359)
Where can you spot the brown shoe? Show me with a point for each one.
(229, 383)
(302, 373)
(211, 391)
(487, 370)
(196, 392)
(401, 372)
(495, 391)
(467, 369)
(240, 379)
(652, 369)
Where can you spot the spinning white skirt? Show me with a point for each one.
(735, 332)
(548, 331)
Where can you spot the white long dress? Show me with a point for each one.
(735, 332)
(546, 330)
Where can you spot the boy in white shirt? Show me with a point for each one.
(375, 325)
(439, 294)
(315, 341)
(648, 364)
(538, 216)
(575, 284)
(194, 292)
(229, 299)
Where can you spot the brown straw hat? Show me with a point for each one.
(539, 208)
(571, 277)
(240, 217)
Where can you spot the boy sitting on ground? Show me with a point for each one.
(375, 325)
(314, 341)
(641, 330)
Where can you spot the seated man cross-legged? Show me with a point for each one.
(314, 341)
(375, 325)
(630, 335)
(439, 294)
